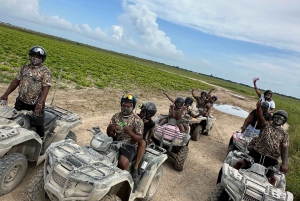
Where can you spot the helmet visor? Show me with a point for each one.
(37, 50)
(128, 96)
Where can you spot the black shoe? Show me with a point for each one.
(42, 150)
(135, 173)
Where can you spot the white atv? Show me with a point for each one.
(169, 137)
(90, 173)
(19, 143)
(249, 184)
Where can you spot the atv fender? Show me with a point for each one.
(20, 140)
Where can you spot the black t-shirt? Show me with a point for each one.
(267, 117)
(147, 126)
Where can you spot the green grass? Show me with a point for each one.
(87, 66)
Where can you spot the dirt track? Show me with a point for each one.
(205, 158)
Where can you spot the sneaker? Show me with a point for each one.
(135, 173)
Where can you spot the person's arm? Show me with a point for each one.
(150, 134)
(284, 158)
(272, 107)
(260, 118)
(41, 101)
(255, 87)
(13, 85)
(171, 99)
(194, 94)
(211, 91)
(195, 115)
(171, 111)
(135, 137)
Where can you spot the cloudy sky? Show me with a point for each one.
(236, 40)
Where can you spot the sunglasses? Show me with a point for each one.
(128, 96)
(279, 117)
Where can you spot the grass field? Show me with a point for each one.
(87, 66)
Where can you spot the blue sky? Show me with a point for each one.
(235, 40)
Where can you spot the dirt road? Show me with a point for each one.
(205, 158)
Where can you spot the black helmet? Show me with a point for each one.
(281, 113)
(215, 97)
(128, 98)
(203, 91)
(265, 105)
(179, 101)
(149, 108)
(38, 50)
(188, 101)
(268, 92)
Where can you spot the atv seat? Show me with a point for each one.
(49, 118)
(170, 132)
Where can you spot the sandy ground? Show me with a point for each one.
(206, 155)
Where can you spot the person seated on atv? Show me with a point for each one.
(271, 143)
(267, 96)
(34, 81)
(206, 112)
(126, 126)
(148, 110)
(202, 99)
(176, 112)
(250, 123)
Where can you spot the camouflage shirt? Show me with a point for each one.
(32, 80)
(134, 120)
(270, 140)
(201, 101)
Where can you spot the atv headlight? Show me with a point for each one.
(276, 193)
(235, 174)
(81, 189)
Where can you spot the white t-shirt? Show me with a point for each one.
(271, 103)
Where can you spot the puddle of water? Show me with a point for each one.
(233, 110)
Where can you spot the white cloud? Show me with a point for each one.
(137, 30)
(272, 23)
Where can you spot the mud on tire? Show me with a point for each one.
(13, 168)
(110, 197)
(181, 158)
(36, 190)
(218, 194)
(196, 132)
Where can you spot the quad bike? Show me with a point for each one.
(249, 184)
(90, 173)
(239, 141)
(196, 127)
(175, 142)
(19, 143)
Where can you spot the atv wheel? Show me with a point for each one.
(110, 197)
(154, 185)
(218, 194)
(12, 170)
(71, 135)
(196, 132)
(36, 190)
(181, 157)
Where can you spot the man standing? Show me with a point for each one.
(34, 81)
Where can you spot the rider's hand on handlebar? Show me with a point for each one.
(283, 168)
